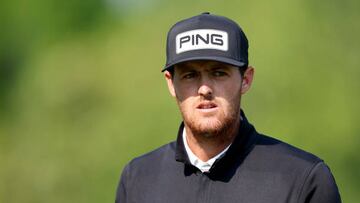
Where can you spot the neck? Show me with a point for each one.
(206, 147)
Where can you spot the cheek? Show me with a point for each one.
(184, 92)
(230, 97)
(186, 104)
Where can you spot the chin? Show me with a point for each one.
(208, 127)
(210, 124)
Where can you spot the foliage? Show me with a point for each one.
(81, 91)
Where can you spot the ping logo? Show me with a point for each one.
(201, 39)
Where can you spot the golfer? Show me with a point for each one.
(218, 156)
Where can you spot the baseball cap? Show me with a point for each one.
(206, 37)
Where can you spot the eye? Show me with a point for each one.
(219, 73)
(189, 75)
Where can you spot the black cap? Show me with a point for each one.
(206, 37)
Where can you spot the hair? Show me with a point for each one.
(242, 69)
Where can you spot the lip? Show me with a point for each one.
(207, 106)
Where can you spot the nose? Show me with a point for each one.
(205, 90)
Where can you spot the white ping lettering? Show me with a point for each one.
(201, 39)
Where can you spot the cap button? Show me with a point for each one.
(206, 13)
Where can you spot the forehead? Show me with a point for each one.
(202, 65)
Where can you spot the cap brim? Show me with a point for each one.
(211, 58)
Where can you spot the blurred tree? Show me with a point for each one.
(26, 25)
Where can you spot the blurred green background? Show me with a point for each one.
(81, 92)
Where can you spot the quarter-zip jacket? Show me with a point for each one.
(255, 169)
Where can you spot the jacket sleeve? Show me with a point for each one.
(319, 186)
(121, 194)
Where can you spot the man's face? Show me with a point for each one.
(208, 94)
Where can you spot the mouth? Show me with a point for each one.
(207, 106)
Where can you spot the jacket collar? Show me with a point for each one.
(240, 147)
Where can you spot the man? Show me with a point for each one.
(218, 155)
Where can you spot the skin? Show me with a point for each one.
(208, 94)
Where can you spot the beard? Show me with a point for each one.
(219, 126)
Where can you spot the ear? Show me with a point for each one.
(247, 79)
(170, 83)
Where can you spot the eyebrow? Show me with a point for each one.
(219, 67)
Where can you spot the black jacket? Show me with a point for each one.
(255, 169)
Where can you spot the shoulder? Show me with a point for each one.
(150, 159)
(276, 156)
(154, 162)
(313, 177)
(319, 186)
(281, 151)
